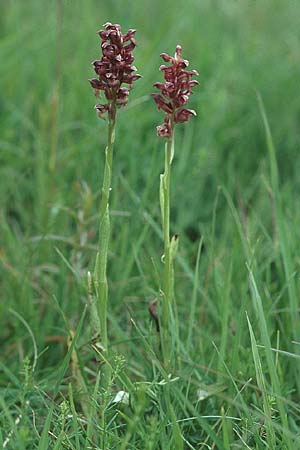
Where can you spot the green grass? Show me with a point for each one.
(234, 203)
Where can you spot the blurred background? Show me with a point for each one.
(52, 153)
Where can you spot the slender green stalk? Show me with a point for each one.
(170, 246)
(168, 282)
(104, 234)
(100, 273)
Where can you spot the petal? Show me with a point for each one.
(136, 77)
(103, 34)
(159, 85)
(108, 93)
(97, 84)
(124, 91)
(162, 104)
(192, 72)
(129, 35)
(183, 63)
(163, 131)
(183, 115)
(193, 83)
(101, 110)
(166, 57)
(178, 51)
(129, 79)
(131, 46)
(181, 99)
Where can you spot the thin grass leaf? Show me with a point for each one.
(269, 356)
(44, 442)
(271, 435)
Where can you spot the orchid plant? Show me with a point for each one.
(174, 95)
(114, 70)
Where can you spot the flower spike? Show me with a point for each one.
(114, 68)
(175, 92)
(173, 95)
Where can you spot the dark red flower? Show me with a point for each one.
(114, 68)
(102, 109)
(175, 92)
(162, 103)
(165, 129)
(183, 115)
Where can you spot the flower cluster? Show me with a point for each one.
(114, 68)
(175, 92)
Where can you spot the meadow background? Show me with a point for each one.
(235, 204)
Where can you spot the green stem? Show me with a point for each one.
(168, 260)
(168, 283)
(104, 234)
(101, 265)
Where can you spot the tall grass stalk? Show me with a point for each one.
(282, 228)
(270, 432)
(274, 379)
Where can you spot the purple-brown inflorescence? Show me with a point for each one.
(114, 68)
(175, 92)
